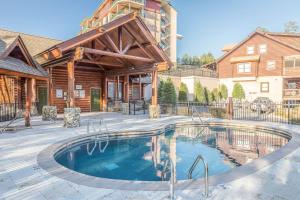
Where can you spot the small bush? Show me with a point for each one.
(238, 91)
(183, 93)
(199, 93)
(218, 112)
(223, 92)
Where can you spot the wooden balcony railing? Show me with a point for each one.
(291, 93)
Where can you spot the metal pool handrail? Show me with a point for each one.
(190, 174)
(198, 114)
(172, 178)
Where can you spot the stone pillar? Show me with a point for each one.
(154, 111)
(49, 113)
(71, 117)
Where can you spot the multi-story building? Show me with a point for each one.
(266, 65)
(159, 16)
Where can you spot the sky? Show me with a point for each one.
(207, 25)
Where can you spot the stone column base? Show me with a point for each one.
(71, 117)
(154, 111)
(125, 108)
(49, 113)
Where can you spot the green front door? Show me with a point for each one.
(95, 99)
(42, 97)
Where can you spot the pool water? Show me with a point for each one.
(144, 158)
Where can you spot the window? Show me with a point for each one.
(262, 48)
(292, 85)
(271, 65)
(264, 87)
(111, 90)
(244, 68)
(291, 62)
(250, 50)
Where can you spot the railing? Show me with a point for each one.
(169, 166)
(10, 111)
(291, 92)
(285, 113)
(129, 1)
(137, 107)
(193, 167)
(191, 72)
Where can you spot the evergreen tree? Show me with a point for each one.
(183, 93)
(215, 94)
(223, 92)
(207, 96)
(199, 93)
(206, 58)
(160, 92)
(169, 92)
(238, 91)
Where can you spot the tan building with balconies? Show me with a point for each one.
(159, 16)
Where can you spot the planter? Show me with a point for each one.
(49, 113)
(72, 117)
(154, 111)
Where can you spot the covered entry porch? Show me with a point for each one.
(110, 65)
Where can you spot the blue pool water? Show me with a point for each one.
(143, 158)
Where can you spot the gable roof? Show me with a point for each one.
(135, 30)
(34, 44)
(289, 40)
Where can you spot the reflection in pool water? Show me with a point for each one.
(143, 158)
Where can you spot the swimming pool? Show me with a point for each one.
(143, 157)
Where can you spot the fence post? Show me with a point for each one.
(289, 106)
(129, 112)
(144, 102)
(229, 110)
(134, 108)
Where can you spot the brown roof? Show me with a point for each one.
(34, 44)
(291, 40)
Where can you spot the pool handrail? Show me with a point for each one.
(172, 178)
(198, 114)
(193, 167)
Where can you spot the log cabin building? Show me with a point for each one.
(106, 64)
(20, 74)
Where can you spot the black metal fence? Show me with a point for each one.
(136, 107)
(276, 112)
(9, 111)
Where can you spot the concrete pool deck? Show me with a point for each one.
(22, 178)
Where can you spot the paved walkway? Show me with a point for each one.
(22, 178)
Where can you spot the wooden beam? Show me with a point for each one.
(7, 89)
(71, 83)
(100, 63)
(127, 48)
(120, 35)
(154, 88)
(126, 88)
(28, 102)
(138, 43)
(140, 86)
(90, 58)
(104, 94)
(33, 96)
(50, 87)
(117, 55)
(20, 74)
(112, 44)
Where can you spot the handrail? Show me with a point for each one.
(191, 170)
(172, 178)
(197, 114)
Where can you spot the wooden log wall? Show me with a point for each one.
(86, 78)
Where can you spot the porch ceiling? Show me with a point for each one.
(124, 44)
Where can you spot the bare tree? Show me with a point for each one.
(291, 27)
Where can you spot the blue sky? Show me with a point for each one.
(207, 25)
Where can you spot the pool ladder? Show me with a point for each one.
(193, 167)
(195, 111)
(169, 165)
(97, 139)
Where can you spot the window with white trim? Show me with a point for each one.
(271, 65)
(244, 67)
(264, 87)
(263, 48)
(292, 62)
(250, 50)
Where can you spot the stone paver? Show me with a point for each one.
(22, 178)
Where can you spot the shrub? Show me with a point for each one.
(199, 93)
(223, 92)
(215, 95)
(218, 112)
(238, 91)
(168, 92)
(207, 96)
(160, 90)
(183, 93)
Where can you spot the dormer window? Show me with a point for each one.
(244, 67)
(263, 48)
(250, 50)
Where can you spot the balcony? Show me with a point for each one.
(291, 66)
(291, 93)
(133, 3)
